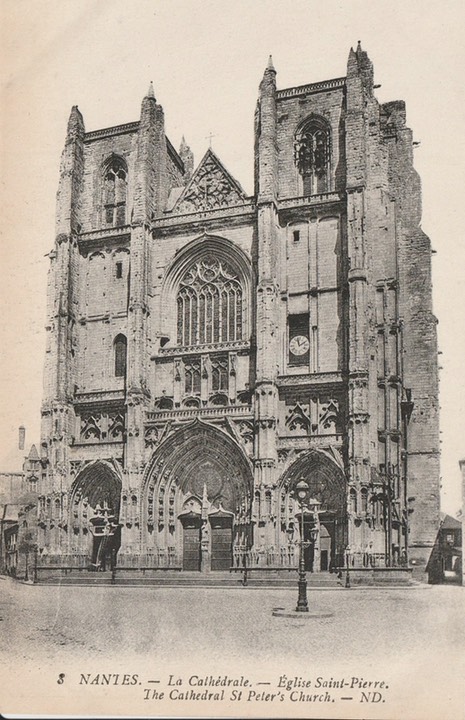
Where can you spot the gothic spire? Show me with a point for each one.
(151, 92)
(187, 156)
(270, 66)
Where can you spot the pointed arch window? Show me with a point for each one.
(192, 375)
(353, 500)
(219, 373)
(120, 355)
(115, 192)
(312, 153)
(364, 500)
(209, 304)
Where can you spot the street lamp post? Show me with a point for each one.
(301, 494)
(347, 566)
(36, 550)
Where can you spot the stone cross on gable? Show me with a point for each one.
(209, 138)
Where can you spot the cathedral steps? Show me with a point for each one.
(257, 578)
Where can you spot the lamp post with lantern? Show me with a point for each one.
(301, 494)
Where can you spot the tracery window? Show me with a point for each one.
(209, 303)
(312, 152)
(220, 374)
(192, 375)
(115, 190)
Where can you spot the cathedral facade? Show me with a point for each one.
(207, 350)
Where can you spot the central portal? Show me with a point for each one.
(198, 500)
(207, 539)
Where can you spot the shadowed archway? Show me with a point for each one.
(94, 503)
(198, 472)
(326, 480)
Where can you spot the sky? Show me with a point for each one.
(206, 60)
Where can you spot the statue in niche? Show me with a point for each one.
(205, 546)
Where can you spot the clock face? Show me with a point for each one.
(299, 345)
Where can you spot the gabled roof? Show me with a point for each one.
(450, 523)
(10, 512)
(33, 454)
(210, 187)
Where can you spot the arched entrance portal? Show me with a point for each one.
(94, 515)
(324, 549)
(196, 505)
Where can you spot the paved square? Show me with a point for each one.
(410, 641)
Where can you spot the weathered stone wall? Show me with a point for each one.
(97, 152)
(419, 336)
(292, 112)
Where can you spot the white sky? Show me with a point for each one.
(206, 59)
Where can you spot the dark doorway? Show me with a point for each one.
(325, 547)
(191, 542)
(309, 556)
(309, 545)
(94, 508)
(221, 548)
(324, 560)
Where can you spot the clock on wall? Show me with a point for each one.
(299, 345)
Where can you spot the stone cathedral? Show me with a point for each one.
(208, 350)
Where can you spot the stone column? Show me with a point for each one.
(150, 192)
(359, 85)
(58, 418)
(267, 298)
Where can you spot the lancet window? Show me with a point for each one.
(312, 152)
(192, 379)
(120, 355)
(209, 304)
(115, 191)
(220, 373)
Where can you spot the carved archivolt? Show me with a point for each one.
(324, 476)
(195, 457)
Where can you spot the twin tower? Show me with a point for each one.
(207, 350)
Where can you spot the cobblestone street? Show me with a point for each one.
(412, 639)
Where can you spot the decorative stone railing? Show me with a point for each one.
(68, 560)
(160, 558)
(310, 88)
(242, 345)
(309, 200)
(187, 413)
(358, 560)
(285, 557)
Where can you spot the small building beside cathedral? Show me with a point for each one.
(208, 350)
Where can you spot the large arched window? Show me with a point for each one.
(312, 151)
(115, 190)
(120, 355)
(209, 303)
